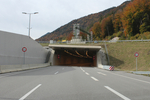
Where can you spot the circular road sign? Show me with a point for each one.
(24, 49)
(136, 54)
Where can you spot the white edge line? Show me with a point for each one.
(117, 93)
(26, 95)
(132, 78)
(128, 77)
(94, 78)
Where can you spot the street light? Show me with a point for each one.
(29, 19)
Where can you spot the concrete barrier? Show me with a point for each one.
(108, 67)
(13, 68)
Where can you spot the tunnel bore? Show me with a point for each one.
(75, 57)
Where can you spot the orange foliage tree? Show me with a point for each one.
(136, 17)
(69, 37)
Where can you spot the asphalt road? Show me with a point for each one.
(73, 83)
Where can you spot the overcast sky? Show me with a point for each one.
(52, 14)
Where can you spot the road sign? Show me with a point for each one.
(136, 54)
(24, 49)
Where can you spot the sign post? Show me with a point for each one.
(24, 49)
(136, 55)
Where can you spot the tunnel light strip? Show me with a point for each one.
(80, 54)
(71, 53)
(88, 55)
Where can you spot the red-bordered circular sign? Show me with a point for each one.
(24, 49)
(136, 54)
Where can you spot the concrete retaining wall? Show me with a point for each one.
(11, 50)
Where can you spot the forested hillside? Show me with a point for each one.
(130, 20)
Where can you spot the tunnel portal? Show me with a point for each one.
(71, 55)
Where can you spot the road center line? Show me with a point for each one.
(94, 78)
(56, 73)
(101, 73)
(26, 95)
(117, 93)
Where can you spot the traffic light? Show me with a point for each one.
(93, 57)
(58, 56)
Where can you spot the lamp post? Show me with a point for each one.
(29, 20)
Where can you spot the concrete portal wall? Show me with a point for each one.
(11, 50)
(99, 59)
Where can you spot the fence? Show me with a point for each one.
(111, 41)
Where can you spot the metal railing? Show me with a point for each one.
(111, 41)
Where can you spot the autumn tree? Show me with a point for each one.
(117, 21)
(96, 29)
(136, 17)
(107, 27)
(70, 36)
(84, 35)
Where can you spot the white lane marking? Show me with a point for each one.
(26, 95)
(117, 93)
(82, 69)
(56, 73)
(127, 77)
(101, 73)
(132, 78)
(94, 78)
(87, 73)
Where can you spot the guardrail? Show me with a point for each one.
(111, 41)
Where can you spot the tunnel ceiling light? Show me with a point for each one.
(81, 55)
(88, 55)
(71, 53)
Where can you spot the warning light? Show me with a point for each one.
(93, 57)
(58, 56)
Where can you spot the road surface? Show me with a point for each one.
(73, 83)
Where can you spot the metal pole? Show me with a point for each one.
(24, 57)
(107, 53)
(29, 20)
(136, 63)
(29, 23)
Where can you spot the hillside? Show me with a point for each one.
(121, 55)
(85, 23)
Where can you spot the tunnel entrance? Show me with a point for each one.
(66, 55)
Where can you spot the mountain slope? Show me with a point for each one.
(85, 23)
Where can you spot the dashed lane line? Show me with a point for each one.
(26, 95)
(87, 73)
(56, 73)
(117, 93)
(94, 78)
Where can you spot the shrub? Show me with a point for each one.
(119, 34)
